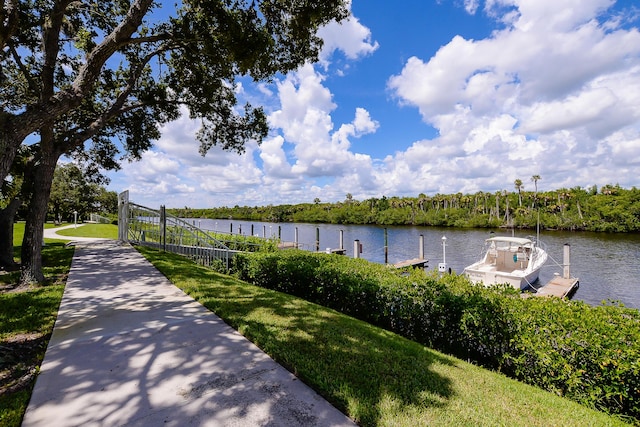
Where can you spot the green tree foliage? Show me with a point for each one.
(74, 190)
(72, 72)
(612, 209)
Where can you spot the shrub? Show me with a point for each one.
(589, 354)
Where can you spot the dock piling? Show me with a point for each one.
(386, 247)
(566, 261)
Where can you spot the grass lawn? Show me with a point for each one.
(376, 377)
(107, 231)
(26, 321)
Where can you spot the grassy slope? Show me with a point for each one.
(374, 376)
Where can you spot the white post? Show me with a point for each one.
(356, 248)
(566, 271)
(75, 219)
(442, 267)
(341, 239)
(421, 249)
(295, 237)
(444, 249)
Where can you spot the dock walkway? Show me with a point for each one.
(559, 287)
(415, 263)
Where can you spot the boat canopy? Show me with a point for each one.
(516, 240)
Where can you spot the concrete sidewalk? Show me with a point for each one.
(52, 233)
(129, 348)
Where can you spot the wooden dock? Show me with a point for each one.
(287, 245)
(559, 287)
(415, 263)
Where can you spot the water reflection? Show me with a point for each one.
(608, 265)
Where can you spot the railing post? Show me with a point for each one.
(123, 216)
(163, 227)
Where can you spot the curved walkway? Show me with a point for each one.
(52, 233)
(130, 348)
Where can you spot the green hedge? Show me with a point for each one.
(589, 354)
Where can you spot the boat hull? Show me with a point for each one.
(508, 260)
(490, 278)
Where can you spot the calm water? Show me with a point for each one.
(608, 265)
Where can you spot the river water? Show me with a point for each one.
(608, 265)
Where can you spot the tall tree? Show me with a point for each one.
(535, 179)
(73, 72)
(518, 185)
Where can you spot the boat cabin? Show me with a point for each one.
(507, 254)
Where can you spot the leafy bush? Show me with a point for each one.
(589, 354)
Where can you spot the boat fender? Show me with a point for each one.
(515, 257)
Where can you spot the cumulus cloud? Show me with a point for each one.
(305, 121)
(560, 80)
(349, 36)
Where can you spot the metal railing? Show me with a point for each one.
(144, 226)
(94, 217)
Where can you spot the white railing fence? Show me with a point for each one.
(140, 225)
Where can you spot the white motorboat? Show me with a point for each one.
(513, 260)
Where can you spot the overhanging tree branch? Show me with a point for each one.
(9, 20)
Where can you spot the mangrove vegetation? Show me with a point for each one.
(610, 208)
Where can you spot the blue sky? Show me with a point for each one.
(428, 96)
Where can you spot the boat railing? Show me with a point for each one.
(537, 243)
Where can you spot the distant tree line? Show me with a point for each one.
(610, 209)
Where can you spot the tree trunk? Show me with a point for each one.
(7, 216)
(31, 269)
(9, 143)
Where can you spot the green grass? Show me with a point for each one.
(26, 321)
(107, 231)
(376, 377)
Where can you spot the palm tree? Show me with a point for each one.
(518, 185)
(535, 179)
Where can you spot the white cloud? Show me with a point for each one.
(537, 96)
(349, 36)
(471, 6)
(306, 123)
